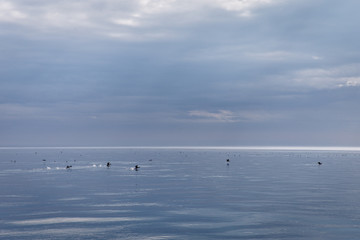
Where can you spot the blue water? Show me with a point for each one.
(179, 194)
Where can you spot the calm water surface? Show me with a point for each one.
(179, 194)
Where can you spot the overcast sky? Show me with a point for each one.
(179, 72)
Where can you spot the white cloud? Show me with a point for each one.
(156, 6)
(126, 22)
(245, 52)
(273, 56)
(220, 116)
(9, 13)
(350, 82)
(342, 76)
(66, 20)
(104, 17)
(229, 116)
(243, 8)
(316, 57)
(128, 36)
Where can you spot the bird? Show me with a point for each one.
(319, 163)
(227, 160)
(68, 166)
(136, 167)
(108, 164)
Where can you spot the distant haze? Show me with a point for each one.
(179, 73)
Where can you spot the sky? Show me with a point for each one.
(179, 73)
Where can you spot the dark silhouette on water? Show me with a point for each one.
(68, 166)
(319, 163)
(136, 167)
(227, 160)
(108, 164)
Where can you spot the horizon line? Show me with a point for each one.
(275, 148)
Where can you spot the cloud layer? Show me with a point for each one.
(146, 72)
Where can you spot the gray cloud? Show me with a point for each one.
(220, 72)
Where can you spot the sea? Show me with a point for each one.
(179, 193)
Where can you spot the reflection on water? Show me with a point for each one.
(179, 194)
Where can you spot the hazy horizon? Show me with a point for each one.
(262, 148)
